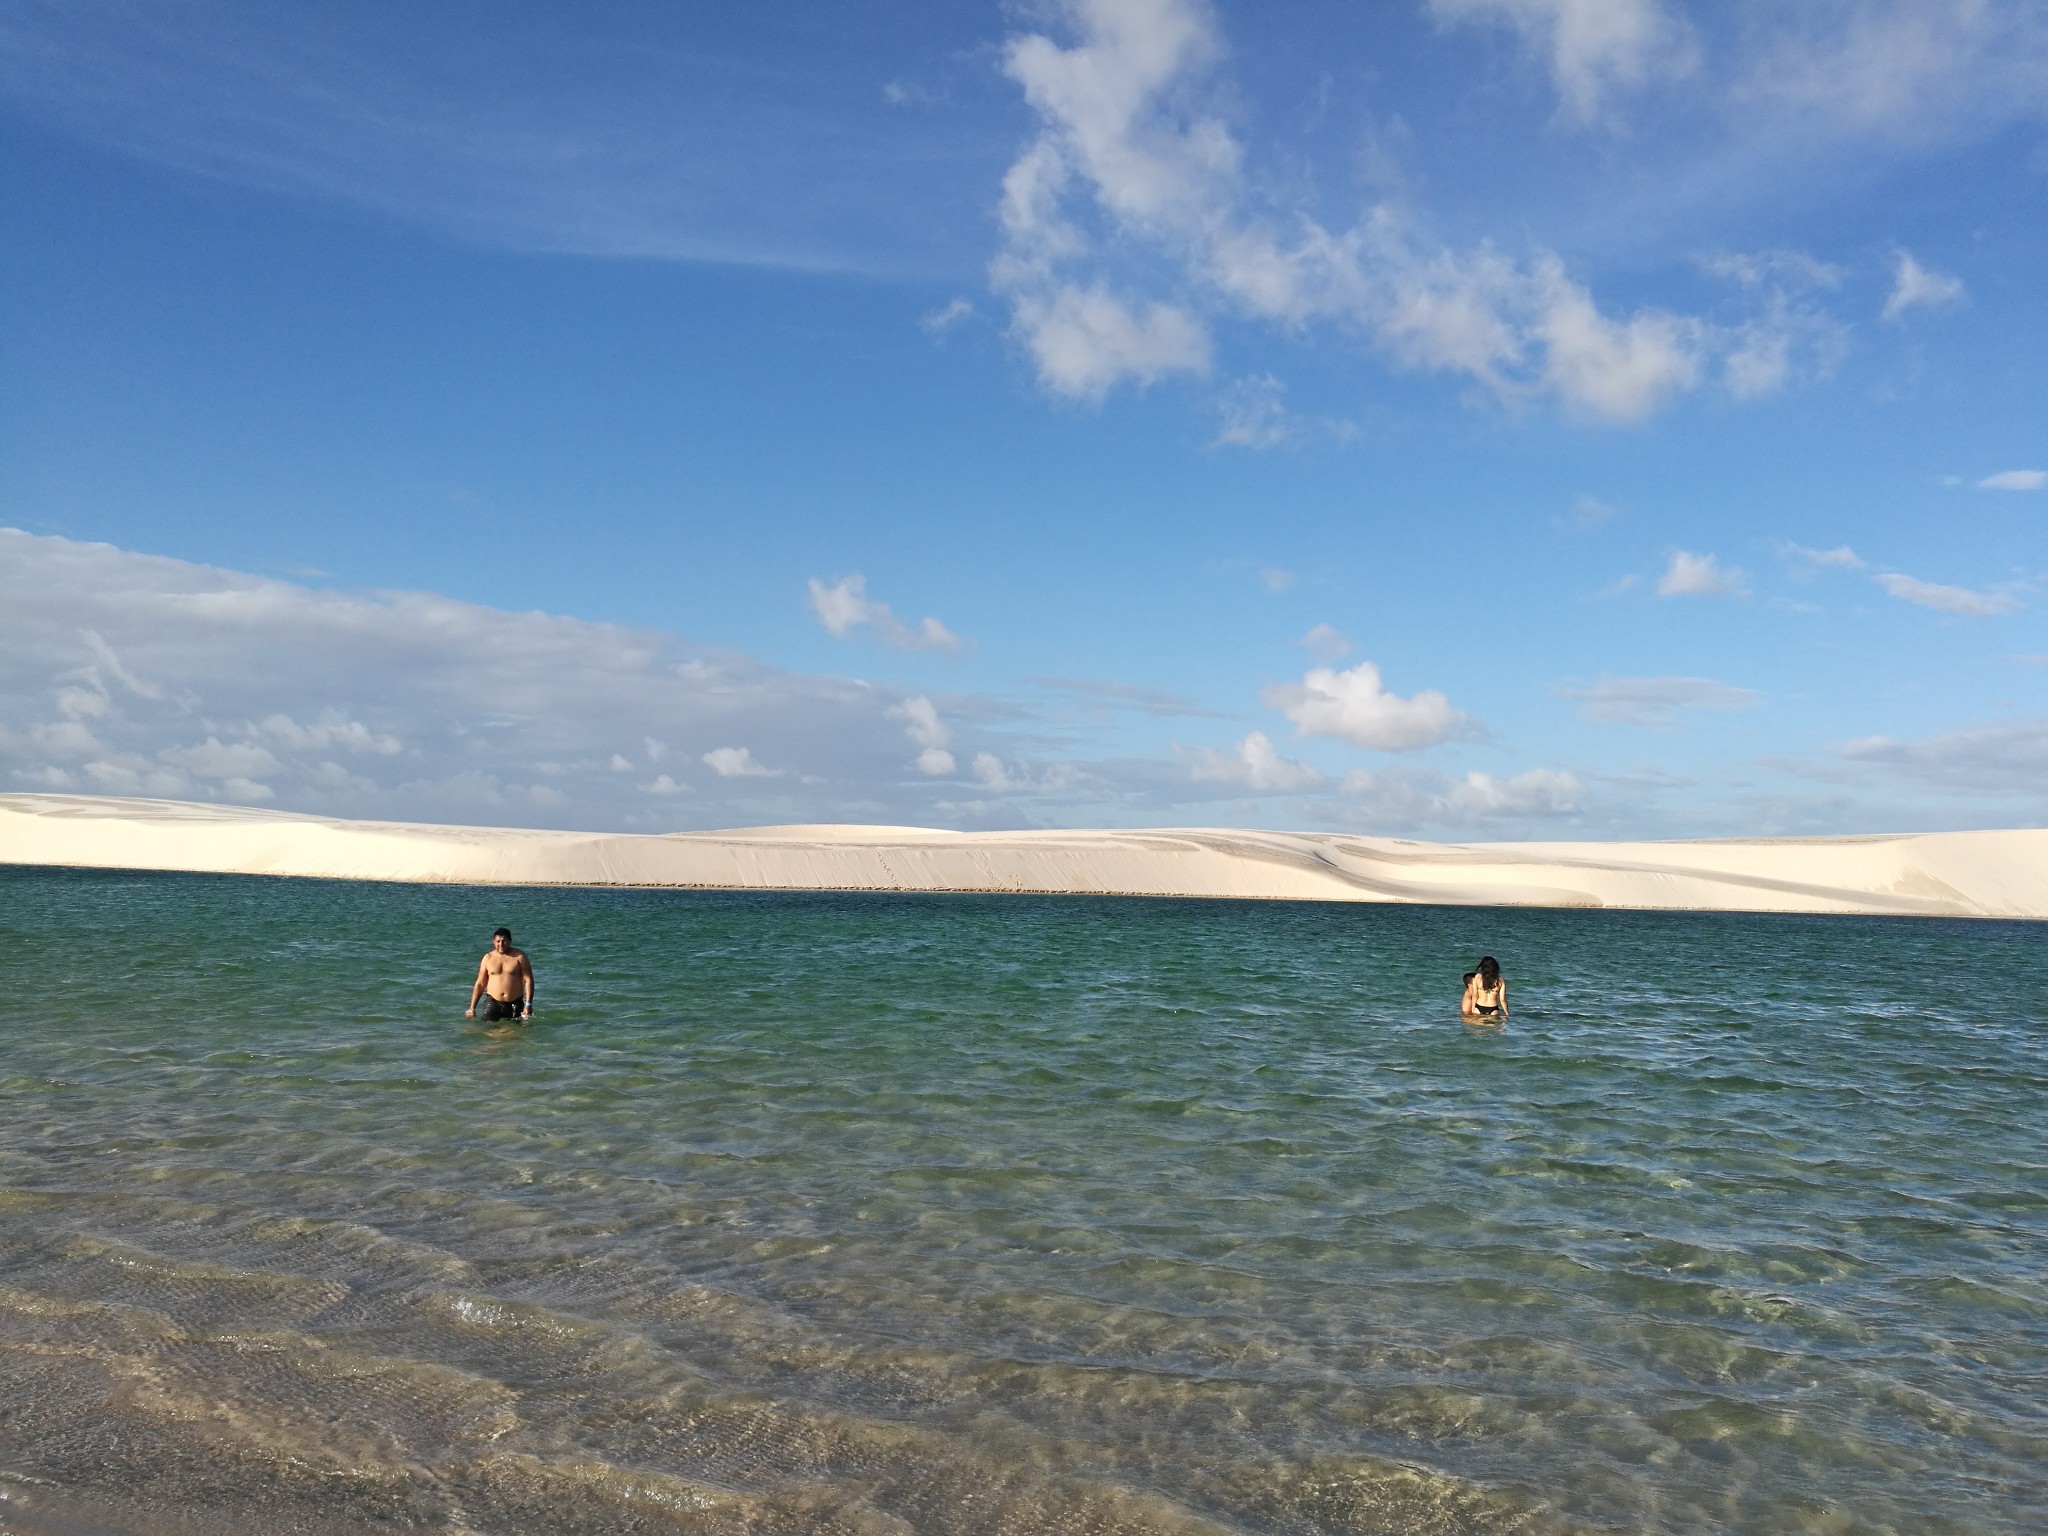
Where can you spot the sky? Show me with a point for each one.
(1452, 419)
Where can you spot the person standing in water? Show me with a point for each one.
(1486, 994)
(504, 980)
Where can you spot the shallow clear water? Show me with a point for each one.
(957, 1214)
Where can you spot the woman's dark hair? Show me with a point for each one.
(1489, 971)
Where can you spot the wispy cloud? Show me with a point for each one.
(1143, 701)
(1918, 287)
(1326, 643)
(1654, 701)
(1593, 51)
(941, 320)
(844, 606)
(597, 134)
(1958, 600)
(2015, 480)
(2006, 757)
(1841, 557)
(1254, 412)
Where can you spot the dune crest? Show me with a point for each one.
(1949, 874)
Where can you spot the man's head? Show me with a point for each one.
(501, 940)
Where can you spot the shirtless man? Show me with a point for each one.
(507, 976)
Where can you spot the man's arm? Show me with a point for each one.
(526, 971)
(475, 992)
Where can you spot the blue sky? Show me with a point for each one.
(1450, 418)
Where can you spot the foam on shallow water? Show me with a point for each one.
(953, 1215)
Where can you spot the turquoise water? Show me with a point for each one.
(956, 1214)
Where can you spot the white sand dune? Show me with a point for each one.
(1958, 874)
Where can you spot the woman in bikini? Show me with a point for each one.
(1486, 994)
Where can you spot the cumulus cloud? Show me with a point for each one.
(844, 606)
(735, 763)
(921, 723)
(2015, 480)
(1959, 600)
(1355, 706)
(1134, 180)
(1654, 701)
(1469, 802)
(1255, 764)
(1918, 287)
(1691, 575)
(123, 673)
(1593, 49)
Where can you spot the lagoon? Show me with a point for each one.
(888, 1213)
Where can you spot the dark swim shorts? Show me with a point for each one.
(491, 1010)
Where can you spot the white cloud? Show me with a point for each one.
(1961, 600)
(2015, 480)
(1326, 643)
(1593, 48)
(1086, 340)
(2006, 757)
(921, 722)
(943, 319)
(1354, 706)
(327, 735)
(1691, 575)
(1918, 287)
(845, 606)
(1143, 701)
(65, 739)
(1538, 792)
(1255, 764)
(735, 763)
(1475, 801)
(1133, 180)
(1254, 413)
(1793, 271)
(1652, 701)
(414, 706)
(1841, 556)
(664, 784)
(213, 759)
(1276, 579)
(1589, 512)
(991, 773)
(1911, 71)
